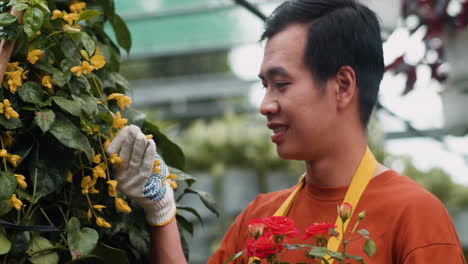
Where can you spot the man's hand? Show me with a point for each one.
(143, 175)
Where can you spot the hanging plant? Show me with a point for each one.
(62, 101)
(435, 17)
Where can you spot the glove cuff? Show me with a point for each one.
(164, 211)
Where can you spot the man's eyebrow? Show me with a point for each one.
(274, 72)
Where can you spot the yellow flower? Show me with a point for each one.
(56, 14)
(150, 136)
(3, 153)
(89, 215)
(48, 82)
(102, 223)
(14, 159)
(112, 189)
(99, 171)
(85, 68)
(13, 79)
(86, 182)
(93, 190)
(74, 28)
(106, 143)
(15, 202)
(98, 207)
(156, 170)
(172, 176)
(173, 185)
(98, 60)
(96, 158)
(69, 177)
(71, 18)
(157, 162)
(20, 179)
(38, 33)
(122, 206)
(77, 7)
(8, 110)
(119, 122)
(122, 100)
(6, 137)
(34, 55)
(115, 159)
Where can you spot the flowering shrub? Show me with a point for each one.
(269, 242)
(61, 103)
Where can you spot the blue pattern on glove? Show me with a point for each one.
(154, 190)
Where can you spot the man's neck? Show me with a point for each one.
(337, 167)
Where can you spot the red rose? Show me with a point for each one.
(281, 225)
(263, 247)
(319, 231)
(256, 227)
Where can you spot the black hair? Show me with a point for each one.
(340, 32)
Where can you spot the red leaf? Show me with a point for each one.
(410, 80)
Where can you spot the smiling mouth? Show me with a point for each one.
(278, 133)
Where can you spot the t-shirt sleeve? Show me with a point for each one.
(436, 253)
(426, 233)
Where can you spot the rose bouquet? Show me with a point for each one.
(269, 240)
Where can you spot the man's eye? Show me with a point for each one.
(281, 84)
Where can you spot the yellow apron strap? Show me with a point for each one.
(360, 180)
(358, 184)
(286, 205)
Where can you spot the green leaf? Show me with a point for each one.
(88, 14)
(185, 224)
(38, 243)
(67, 63)
(31, 92)
(12, 123)
(32, 21)
(45, 119)
(87, 103)
(233, 257)
(69, 135)
(364, 233)
(5, 244)
(110, 255)
(48, 165)
(4, 207)
(369, 247)
(19, 243)
(80, 241)
(335, 255)
(7, 19)
(88, 42)
(191, 210)
(7, 184)
(61, 78)
(182, 176)
(206, 198)
(70, 106)
(357, 258)
(12, 31)
(121, 32)
(20, 7)
(318, 252)
(171, 153)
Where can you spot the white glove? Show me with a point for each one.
(136, 176)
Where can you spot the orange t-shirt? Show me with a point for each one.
(408, 224)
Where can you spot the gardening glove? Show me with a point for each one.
(143, 176)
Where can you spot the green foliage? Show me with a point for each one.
(56, 119)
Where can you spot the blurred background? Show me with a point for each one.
(193, 69)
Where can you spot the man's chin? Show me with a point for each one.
(287, 154)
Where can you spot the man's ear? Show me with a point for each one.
(346, 88)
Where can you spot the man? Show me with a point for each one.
(321, 70)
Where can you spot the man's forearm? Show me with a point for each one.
(165, 245)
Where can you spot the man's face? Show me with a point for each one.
(299, 110)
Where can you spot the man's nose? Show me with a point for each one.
(269, 106)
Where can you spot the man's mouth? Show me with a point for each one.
(279, 132)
